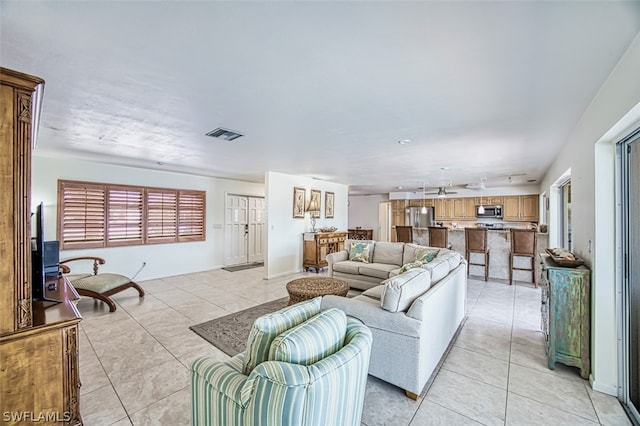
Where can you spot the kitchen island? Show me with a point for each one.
(499, 244)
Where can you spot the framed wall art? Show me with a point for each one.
(329, 198)
(314, 203)
(298, 202)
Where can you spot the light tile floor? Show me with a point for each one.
(134, 362)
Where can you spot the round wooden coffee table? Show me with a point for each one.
(307, 288)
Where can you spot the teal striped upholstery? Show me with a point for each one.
(327, 392)
(314, 339)
(267, 327)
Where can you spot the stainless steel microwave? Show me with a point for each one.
(490, 211)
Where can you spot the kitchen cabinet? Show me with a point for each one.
(463, 208)
(317, 245)
(420, 203)
(489, 201)
(521, 208)
(565, 315)
(444, 207)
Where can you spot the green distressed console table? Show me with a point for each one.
(566, 321)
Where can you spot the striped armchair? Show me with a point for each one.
(301, 367)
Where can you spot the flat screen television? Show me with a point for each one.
(45, 258)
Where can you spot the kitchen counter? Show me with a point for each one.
(499, 244)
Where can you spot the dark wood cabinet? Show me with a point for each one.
(360, 234)
(317, 245)
(566, 320)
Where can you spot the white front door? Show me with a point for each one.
(257, 223)
(244, 229)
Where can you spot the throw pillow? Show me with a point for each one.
(410, 265)
(311, 341)
(400, 291)
(268, 327)
(359, 252)
(426, 255)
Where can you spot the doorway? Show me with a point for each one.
(629, 158)
(384, 222)
(244, 231)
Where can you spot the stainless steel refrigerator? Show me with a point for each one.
(417, 219)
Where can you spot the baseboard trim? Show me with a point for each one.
(599, 387)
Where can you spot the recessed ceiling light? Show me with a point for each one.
(444, 168)
(398, 187)
(159, 163)
(404, 141)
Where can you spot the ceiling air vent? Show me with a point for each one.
(224, 134)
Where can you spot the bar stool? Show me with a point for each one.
(475, 241)
(523, 244)
(438, 237)
(404, 234)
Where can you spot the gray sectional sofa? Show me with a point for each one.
(413, 316)
(386, 260)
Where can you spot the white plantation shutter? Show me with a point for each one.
(101, 215)
(191, 208)
(81, 217)
(162, 215)
(125, 212)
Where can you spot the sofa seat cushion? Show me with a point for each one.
(347, 267)
(389, 253)
(438, 267)
(267, 327)
(374, 292)
(378, 270)
(399, 292)
(311, 341)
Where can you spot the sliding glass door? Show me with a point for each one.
(629, 155)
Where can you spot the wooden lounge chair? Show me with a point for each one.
(98, 286)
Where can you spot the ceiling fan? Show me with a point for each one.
(442, 192)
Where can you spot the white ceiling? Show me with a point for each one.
(322, 89)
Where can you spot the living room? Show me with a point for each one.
(586, 146)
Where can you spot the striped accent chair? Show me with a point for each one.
(314, 373)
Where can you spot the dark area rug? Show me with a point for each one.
(229, 333)
(243, 267)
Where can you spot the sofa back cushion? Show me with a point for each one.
(267, 327)
(400, 291)
(390, 253)
(410, 252)
(438, 267)
(309, 342)
(453, 257)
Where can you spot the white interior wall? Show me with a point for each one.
(364, 211)
(284, 233)
(161, 259)
(613, 103)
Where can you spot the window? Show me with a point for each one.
(101, 215)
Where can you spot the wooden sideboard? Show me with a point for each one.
(360, 234)
(565, 312)
(39, 380)
(317, 245)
